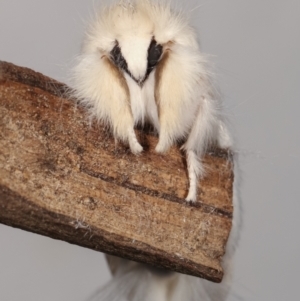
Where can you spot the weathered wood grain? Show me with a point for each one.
(69, 180)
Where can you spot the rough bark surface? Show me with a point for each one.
(64, 178)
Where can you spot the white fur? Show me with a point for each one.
(138, 282)
(188, 106)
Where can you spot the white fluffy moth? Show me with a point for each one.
(141, 63)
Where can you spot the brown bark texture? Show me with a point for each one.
(66, 178)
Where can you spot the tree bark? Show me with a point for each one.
(65, 178)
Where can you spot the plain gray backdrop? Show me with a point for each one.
(256, 47)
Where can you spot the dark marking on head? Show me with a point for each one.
(154, 54)
(118, 59)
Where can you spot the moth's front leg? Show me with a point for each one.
(117, 103)
(123, 126)
(134, 145)
(102, 87)
(172, 99)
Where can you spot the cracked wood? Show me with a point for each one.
(69, 180)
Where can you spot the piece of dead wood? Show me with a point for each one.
(66, 179)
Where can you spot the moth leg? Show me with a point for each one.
(102, 88)
(195, 169)
(134, 145)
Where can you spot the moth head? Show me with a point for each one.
(133, 35)
(137, 56)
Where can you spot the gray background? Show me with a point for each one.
(256, 47)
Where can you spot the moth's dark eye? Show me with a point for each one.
(154, 53)
(117, 57)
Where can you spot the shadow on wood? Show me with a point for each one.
(66, 179)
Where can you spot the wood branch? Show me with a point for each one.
(66, 179)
